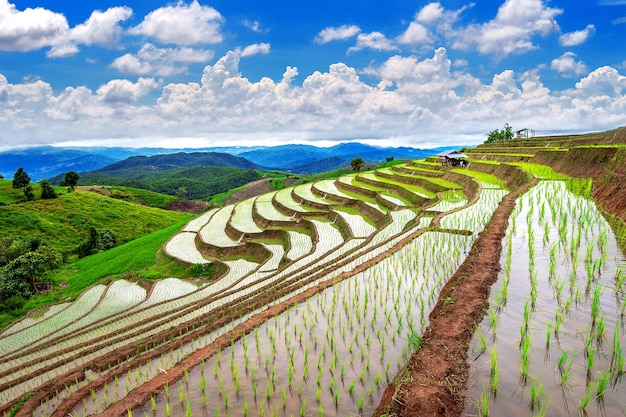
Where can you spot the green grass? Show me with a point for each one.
(137, 195)
(64, 222)
(10, 195)
(221, 198)
(482, 177)
(540, 171)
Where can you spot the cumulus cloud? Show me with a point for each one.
(151, 60)
(101, 29)
(125, 91)
(416, 33)
(430, 13)
(182, 24)
(255, 49)
(29, 29)
(567, 65)
(33, 29)
(512, 30)
(415, 101)
(330, 34)
(604, 81)
(578, 37)
(374, 40)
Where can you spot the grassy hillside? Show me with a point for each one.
(133, 195)
(65, 221)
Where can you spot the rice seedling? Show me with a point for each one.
(536, 393)
(493, 375)
(483, 403)
(602, 384)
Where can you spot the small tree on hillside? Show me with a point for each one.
(28, 193)
(357, 164)
(504, 134)
(70, 180)
(47, 191)
(20, 178)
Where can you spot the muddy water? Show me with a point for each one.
(561, 267)
(331, 356)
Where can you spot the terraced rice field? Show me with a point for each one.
(321, 293)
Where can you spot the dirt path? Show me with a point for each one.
(436, 377)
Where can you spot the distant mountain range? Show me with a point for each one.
(47, 162)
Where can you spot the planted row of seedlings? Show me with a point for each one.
(333, 355)
(552, 342)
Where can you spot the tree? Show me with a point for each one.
(357, 164)
(70, 180)
(181, 193)
(28, 193)
(47, 191)
(98, 241)
(389, 158)
(504, 134)
(20, 179)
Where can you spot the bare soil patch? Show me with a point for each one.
(252, 189)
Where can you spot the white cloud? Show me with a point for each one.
(567, 65)
(416, 33)
(29, 29)
(254, 49)
(330, 34)
(33, 29)
(254, 25)
(578, 37)
(418, 100)
(430, 13)
(182, 24)
(151, 60)
(604, 81)
(512, 30)
(374, 40)
(125, 91)
(102, 29)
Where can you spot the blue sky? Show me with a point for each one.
(229, 72)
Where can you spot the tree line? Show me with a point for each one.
(22, 180)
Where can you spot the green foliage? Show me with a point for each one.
(199, 182)
(47, 192)
(98, 241)
(140, 196)
(28, 193)
(65, 221)
(503, 134)
(278, 183)
(20, 178)
(70, 180)
(357, 163)
(13, 411)
(24, 269)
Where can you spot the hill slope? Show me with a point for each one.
(202, 174)
(65, 221)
